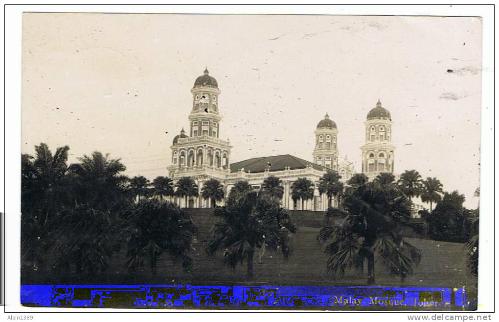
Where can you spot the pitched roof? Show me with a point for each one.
(276, 162)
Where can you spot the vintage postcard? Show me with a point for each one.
(250, 162)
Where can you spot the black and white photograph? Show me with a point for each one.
(176, 161)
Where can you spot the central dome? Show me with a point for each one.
(206, 80)
(379, 112)
(326, 123)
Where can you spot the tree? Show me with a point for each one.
(213, 190)
(431, 191)
(385, 179)
(375, 214)
(240, 189)
(331, 185)
(45, 190)
(410, 183)
(302, 189)
(85, 239)
(43, 181)
(156, 228)
(186, 187)
(139, 187)
(448, 221)
(98, 182)
(357, 180)
(248, 221)
(272, 186)
(163, 187)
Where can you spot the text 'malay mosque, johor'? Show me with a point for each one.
(202, 155)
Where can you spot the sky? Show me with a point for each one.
(116, 83)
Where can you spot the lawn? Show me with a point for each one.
(443, 265)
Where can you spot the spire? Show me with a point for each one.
(206, 72)
(326, 116)
(378, 104)
(182, 131)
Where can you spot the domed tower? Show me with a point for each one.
(204, 117)
(378, 151)
(326, 148)
(201, 151)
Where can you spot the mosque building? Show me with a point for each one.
(202, 155)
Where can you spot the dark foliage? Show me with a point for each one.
(450, 221)
(331, 185)
(84, 240)
(213, 190)
(186, 187)
(371, 229)
(156, 228)
(247, 222)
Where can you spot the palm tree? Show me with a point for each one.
(357, 180)
(272, 186)
(213, 190)
(84, 238)
(448, 220)
(163, 187)
(186, 187)
(139, 187)
(239, 189)
(385, 179)
(99, 182)
(331, 185)
(410, 183)
(155, 228)
(432, 191)
(302, 189)
(375, 214)
(44, 181)
(45, 190)
(248, 222)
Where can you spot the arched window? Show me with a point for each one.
(321, 138)
(214, 129)
(190, 159)
(218, 161)
(372, 135)
(381, 133)
(199, 158)
(195, 129)
(371, 155)
(381, 155)
(210, 157)
(205, 128)
(182, 158)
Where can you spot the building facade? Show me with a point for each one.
(202, 155)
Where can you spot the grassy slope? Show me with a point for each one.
(443, 264)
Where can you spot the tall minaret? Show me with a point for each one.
(326, 148)
(200, 150)
(378, 151)
(204, 117)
